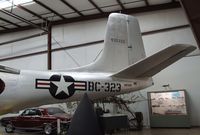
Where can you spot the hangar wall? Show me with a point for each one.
(183, 74)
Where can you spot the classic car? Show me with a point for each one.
(40, 119)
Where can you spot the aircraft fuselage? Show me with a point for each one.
(32, 88)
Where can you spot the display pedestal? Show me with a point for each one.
(84, 121)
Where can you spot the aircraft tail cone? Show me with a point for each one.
(84, 121)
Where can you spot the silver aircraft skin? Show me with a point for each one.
(122, 68)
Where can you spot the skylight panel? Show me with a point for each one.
(9, 3)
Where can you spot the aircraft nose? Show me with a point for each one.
(2, 86)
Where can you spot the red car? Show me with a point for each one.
(40, 119)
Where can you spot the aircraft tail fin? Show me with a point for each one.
(123, 45)
(155, 63)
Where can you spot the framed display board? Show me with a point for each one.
(168, 109)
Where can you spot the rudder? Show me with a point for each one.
(123, 45)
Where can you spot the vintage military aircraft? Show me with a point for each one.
(122, 67)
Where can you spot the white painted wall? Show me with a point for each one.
(184, 74)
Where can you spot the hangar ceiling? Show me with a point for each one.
(17, 15)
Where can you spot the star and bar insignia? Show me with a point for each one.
(2, 86)
(61, 86)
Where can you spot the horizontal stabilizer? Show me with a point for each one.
(153, 64)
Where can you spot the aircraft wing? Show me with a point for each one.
(9, 70)
(153, 64)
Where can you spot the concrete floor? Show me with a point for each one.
(167, 131)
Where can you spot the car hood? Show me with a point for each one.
(9, 115)
(6, 118)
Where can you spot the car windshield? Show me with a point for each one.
(31, 112)
(53, 111)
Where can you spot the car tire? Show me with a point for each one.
(9, 128)
(48, 129)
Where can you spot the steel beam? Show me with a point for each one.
(126, 11)
(121, 5)
(5, 28)
(73, 8)
(23, 56)
(165, 29)
(48, 8)
(31, 12)
(91, 43)
(21, 19)
(146, 2)
(95, 5)
(49, 47)
(103, 15)
(22, 38)
(192, 11)
(9, 22)
(153, 8)
(53, 50)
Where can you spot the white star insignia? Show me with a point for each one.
(62, 86)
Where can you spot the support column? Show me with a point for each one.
(49, 48)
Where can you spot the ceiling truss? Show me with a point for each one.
(82, 17)
(31, 12)
(95, 5)
(73, 8)
(21, 19)
(48, 8)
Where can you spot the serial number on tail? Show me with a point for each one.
(106, 86)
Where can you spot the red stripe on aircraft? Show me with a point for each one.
(80, 85)
(42, 83)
